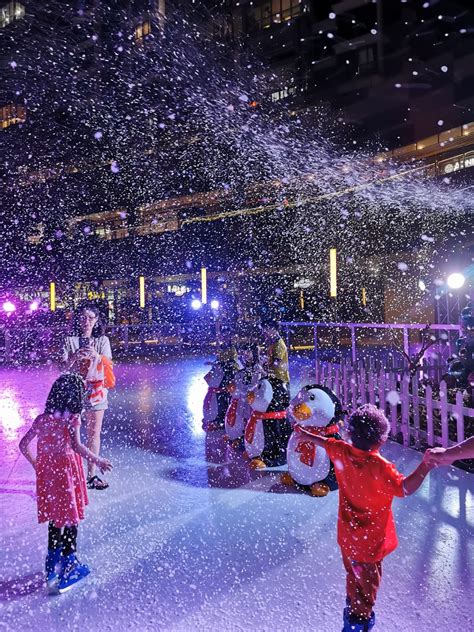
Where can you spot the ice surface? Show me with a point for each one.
(186, 539)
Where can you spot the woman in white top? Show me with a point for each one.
(81, 353)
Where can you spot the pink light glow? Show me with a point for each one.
(9, 307)
(34, 306)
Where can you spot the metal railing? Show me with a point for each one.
(362, 340)
(327, 340)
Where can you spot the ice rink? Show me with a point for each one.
(187, 539)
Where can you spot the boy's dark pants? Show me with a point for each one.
(362, 582)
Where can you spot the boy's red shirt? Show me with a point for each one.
(367, 485)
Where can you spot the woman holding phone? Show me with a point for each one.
(85, 353)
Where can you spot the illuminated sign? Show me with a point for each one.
(463, 161)
(93, 296)
(178, 290)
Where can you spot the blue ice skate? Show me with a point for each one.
(53, 568)
(72, 572)
(354, 624)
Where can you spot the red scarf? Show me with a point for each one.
(256, 416)
(231, 414)
(307, 448)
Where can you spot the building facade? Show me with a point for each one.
(110, 177)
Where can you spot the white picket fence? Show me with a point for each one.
(421, 419)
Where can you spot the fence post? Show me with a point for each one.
(337, 385)
(429, 415)
(354, 384)
(405, 411)
(315, 340)
(363, 391)
(393, 407)
(344, 389)
(460, 416)
(416, 408)
(372, 383)
(353, 344)
(443, 396)
(406, 345)
(381, 389)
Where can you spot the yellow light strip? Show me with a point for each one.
(52, 296)
(301, 299)
(364, 297)
(203, 285)
(333, 272)
(141, 282)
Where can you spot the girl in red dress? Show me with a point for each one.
(60, 482)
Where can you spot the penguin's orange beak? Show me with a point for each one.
(302, 411)
(251, 397)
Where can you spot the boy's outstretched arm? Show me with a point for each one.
(412, 482)
(442, 456)
(318, 440)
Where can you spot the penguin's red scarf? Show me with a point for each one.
(306, 448)
(256, 416)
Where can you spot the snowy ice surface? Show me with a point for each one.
(186, 539)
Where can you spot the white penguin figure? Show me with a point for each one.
(239, 410)
(318, 408)
(268, 429)
(210, 407)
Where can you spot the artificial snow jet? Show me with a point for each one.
(319, 410)
(268, 429)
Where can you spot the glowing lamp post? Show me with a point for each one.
(141, 287)
(9, 308)
(52, 296)
(456, 280)
(204, 285)
(333, 273)
(214, 304)
(196, 304)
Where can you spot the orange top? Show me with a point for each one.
(367, 484)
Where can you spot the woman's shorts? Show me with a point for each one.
(102, 406)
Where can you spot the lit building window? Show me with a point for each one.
(282, 93)
(142, 30)
(11, 114)
(10, 12)
(274, 11)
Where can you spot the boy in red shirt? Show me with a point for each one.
(365, 528)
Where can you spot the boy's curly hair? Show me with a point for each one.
(368, 427)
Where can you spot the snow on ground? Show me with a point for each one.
(186, 539)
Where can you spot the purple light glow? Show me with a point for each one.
(9, 307)
(34, 306)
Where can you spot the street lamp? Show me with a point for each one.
(456, 280)
(214, 304)
(9, 307)
(196, 304)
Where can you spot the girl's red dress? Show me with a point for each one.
(60, 482)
